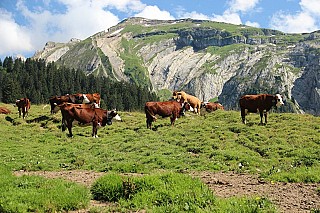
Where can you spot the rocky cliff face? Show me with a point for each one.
(207, 59)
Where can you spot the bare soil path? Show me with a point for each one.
(288, 197)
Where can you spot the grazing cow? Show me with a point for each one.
(259, 103)
(78, 98)
(194, 102)
(172, 109)
(4, 110)
(210, 107)
(23, 105)
(86, 116)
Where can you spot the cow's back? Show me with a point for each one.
(163, 109)
(254, 102)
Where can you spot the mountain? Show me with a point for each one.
(211, 60)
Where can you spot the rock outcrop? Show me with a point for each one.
(207, 59)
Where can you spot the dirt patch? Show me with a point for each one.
(289, 197)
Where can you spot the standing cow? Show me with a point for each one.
(172, 109)
(259, 103)
(194, 102)
(86, 116)
(23, 105)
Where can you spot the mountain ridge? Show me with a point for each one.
(211, 60)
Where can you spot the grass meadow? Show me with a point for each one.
(287, 149)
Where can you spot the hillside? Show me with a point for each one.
(210, 60)
(279, 161)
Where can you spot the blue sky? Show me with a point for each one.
(26, 25)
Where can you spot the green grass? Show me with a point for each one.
(37, 194)
(287, 149)
(169, 192)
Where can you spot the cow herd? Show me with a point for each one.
(84, 109)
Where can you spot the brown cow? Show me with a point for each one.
(86, 116)
(86, 98)
(259, 103)
(23, 105)
(4, 110)
(210, 106)
(78, 98)
(172, 109)
(194, 102)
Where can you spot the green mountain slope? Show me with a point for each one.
(207, 59)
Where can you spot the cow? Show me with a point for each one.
(86, 116)
(78, 98)
(4, 110)
(23, 105)
(212, 106)
(172, 109)
(86, 98)
(194, 102)
(261, 103)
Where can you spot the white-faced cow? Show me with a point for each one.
(194, 102)
(78, 98)
(172, 109)
(73, 114)
(259, 103)
(23, 105)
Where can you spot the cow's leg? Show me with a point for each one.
(265, 117)
(149, 123)
(243, 115)
(69, 126)
(19, 110)
(261, 116)
(173, 119)
(94, 129)
(63, 124)
(23, 113)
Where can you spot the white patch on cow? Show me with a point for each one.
(96, 105)
(117, 117)
(191, 109)
(279, 100)
(85, 99)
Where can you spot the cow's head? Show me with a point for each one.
(279, 101)
(109, 116)
(174, 95)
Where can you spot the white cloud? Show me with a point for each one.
(228, 17)
(303, 21)
(311, 6)
(299, 23)
(236, 7)
(153, 12)
(242, 5)
(252, 24)
(194, 15)
(14, 38)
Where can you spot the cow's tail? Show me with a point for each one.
(153, 117)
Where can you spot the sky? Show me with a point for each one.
(27, 25)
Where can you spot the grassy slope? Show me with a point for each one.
(287, 149)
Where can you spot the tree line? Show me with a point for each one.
(38, 81)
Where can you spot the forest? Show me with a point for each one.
(38, 81)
